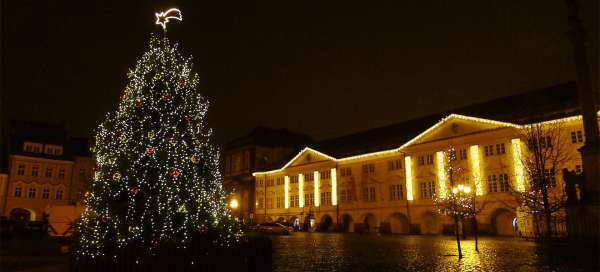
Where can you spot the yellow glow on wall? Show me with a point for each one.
(333, 186)
(286, 191)
(301, 190)
(316, 188)
(476, 169)
(409, 186)
(518, 165)
(441, 172)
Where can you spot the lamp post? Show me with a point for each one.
(458, 210)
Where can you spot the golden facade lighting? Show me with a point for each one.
(286, 192)
(409, 186)
(333, 186)
(441, 172)
(518, 165)
(301, 190)
(476, 169)
(316, 189)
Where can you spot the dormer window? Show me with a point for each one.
(32, 147)
(55, 150)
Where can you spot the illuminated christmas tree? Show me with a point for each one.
(157, 180)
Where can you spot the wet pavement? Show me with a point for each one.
(354, 252)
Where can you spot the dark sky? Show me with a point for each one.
(325, 68)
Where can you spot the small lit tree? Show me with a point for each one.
(542, 198)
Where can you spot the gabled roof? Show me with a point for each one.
(301, 158)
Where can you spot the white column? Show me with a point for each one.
(476, 169)
(286, 191)
(333, 186)
(301, 190)
(441, 172)
(316, 189)
(409, 179)
(519, 169)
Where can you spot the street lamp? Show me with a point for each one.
(234, 204)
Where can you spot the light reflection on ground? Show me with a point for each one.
(354, 252)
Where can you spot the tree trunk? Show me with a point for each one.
(475, 233)
(457, 237)
(547, 214)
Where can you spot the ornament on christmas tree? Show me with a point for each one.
(151, 135)
(174, 173)
(202, 229)
(165, 97)
(130, 73)
(134, 229)
(173, 141)
(134, 190)
(182, 209)
(182, 82)
(138, 102)
(93, 148)
(150, 150)
(104, 217)
(122, 137)
(116, 176)
(195, 159)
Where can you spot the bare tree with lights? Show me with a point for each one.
(541, 197)
(157, 181)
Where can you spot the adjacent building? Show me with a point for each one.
(386, 179)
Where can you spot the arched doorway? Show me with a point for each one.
(430, 224)
(369, 223)
(399, 223)
(502, 222)
(22, 215)
(347, 223)
(326, 223)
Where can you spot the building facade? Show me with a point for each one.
(392, 190)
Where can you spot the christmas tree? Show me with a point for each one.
(157, 180)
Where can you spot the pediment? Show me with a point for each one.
(457, 125)
(308, 156)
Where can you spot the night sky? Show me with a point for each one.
(325, 68)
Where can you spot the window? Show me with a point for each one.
(59, 194)
(427, 189)
(429, 158)
(492, 184)
(579, 136)
(46, 193)
(396, 192)
(297, 201)
(550, 176)
(545, 142)
(309, 199)
(260, 182)
(279, 202)
(500, 149)
(294, 201)
(35, 170)
(32, 147)
(278, 181)
(294, 179)
(573, 137)
(309, 176)
(368, 168)
(452, 154)
(260, 203)
(346, 172)
(82, 175)
(345, 196)
(421, 160)
(503, 180)
(21, 170)
(369, 194)
(327, 174)
(394, 165)
(48, 172)
(489, 150)
(325, 198)
(61, 173)
(462, 154)
(18, 191)
(31, 193)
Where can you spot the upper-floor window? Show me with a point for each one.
(53, 150)
(498, 182)
(61, 173)
(500, 149)
(294, 179)
(577, 136)
(48, 172)
(309, 176)
(279, 201)
(396, 192)
(429, 159)
(394, 165)
(32, 147)
(278, 181)
(462, 154)
(489, 150)
(35, 170)
(503, 180)
(18, 191)
(46, 193)
(346, 172)
(21, 170)
(550, 176)
(260, 182)
(345, 196)
(59, 194)
(260, 202)
(31, 193)
(369, 194)
(325, 198)
(309, 200)
(368, 168)
(427, 189)
(82, 175)
(326, 174)
(421, 160)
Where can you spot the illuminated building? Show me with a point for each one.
(390, 189)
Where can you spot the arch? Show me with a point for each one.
(347, 223)
(399, 223)
(281, 219)
(502, 222)
(326, 223)
(430, 223)
(22, 214)
(369, 222)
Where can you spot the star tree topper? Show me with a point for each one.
(162, 18)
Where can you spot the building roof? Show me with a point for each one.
(533, 106)
(270, 137)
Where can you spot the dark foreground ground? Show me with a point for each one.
(354, 252)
